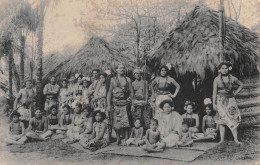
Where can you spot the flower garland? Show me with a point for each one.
(227, 88)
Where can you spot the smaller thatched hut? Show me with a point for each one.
(194, 45)
(95, 54)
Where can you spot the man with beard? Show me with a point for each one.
(119, 99)
(51, 92)
(37, 127)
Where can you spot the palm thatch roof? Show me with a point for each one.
(95, 54)
(193, 45)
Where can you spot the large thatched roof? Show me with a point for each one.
(193, 45)
(95, 54)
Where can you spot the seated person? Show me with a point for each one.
(16, 130)
(37, 127)
(65, 120)
(192, 119)
(53, 121)
(153, 141)
(185, 136)
(88, 125)
(209, 127)
(77, 125)
(100, 135)
(136, 134)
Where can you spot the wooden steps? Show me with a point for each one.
(248, 101)
(250, 111)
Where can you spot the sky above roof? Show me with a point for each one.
(62, 29)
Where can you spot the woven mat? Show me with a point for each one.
(171, 154)
(186, 154)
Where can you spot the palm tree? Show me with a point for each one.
(24, 20)
(40, 13)
(6, 49)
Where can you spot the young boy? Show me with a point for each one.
(37, 127)
(153, 141)
(185, 138)
(136, 134)
(16, 130)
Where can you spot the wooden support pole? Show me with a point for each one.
(222, 30)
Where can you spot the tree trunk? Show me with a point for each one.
(15, 74)
(39, 42)
(10, 76)
(137, 50)
(22, 40)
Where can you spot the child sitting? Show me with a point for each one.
(16, 130)
(185, 136)
(192, 119)
(65, 120)
(209, 127)
(153, 141)
(136, 134)
(100, 135)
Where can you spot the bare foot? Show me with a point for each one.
(123, 143)
(118, 142)
(222, 141)
(238, 143)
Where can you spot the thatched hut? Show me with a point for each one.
(193, 45)
(95, 54)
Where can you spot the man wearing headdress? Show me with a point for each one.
(119, 97)
(140, 87)
(25, 101)
(51, 92)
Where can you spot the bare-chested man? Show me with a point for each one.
(51, 91)
(24, 102)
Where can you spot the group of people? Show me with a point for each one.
(93, 110)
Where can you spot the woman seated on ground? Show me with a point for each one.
(192, 119)
(100, 136)
(77, 125)
(88, 125)
(65, 119)
(16, 130)
(38, 126)
(169, 124)
(209, 127)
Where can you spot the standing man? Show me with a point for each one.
(25, 101)
(51, 92)
(94, 80)
(119, 97)
(78, 89)
(64, 94)
(140, 87)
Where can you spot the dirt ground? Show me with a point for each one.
(56, 152)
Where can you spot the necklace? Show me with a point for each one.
(226, 86)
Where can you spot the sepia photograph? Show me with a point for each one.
(130, 82)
